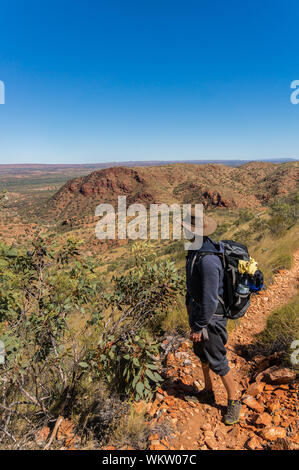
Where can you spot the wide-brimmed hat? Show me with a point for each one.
(204, 226)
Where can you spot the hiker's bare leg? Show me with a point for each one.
(230, 386)
(207, 373)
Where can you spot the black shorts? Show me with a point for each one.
(213, 350)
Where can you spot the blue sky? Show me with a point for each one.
(91, 81)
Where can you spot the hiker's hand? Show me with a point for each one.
(195, 337)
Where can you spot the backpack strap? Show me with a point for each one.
(222, 303)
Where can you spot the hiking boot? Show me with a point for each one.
(233, 412)
(206, 396)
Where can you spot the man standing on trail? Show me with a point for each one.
(206, 315)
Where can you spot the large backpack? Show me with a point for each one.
(237, 288)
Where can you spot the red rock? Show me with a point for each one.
(254, 443)
(66, 429)
(253, 404)
(235, 438)
(279, 393)
(170, 373)
(206, 427)
(277, 375)
(142, 406)
(154, 408)
(269, 388)
(170, 359)
(261, 362)
(255, 388)
(273, 433)
(234, 432)
(294, 446)
(219, 435)
(165, 442)
(264, 419)
(287, 421)
(210, 440)
(248, 426)
(42, 435)
(276, 420)
(157, 447)
(273, 406)
(185, 345)
(187, 380)
(170, 401)
(71, 441)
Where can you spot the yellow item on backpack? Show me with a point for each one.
(248, 267)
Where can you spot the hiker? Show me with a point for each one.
(206, 317)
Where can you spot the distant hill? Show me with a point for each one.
(213, 185)
(36, 168)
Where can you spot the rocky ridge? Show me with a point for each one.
(213, 185)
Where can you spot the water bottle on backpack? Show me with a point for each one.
(243, 287)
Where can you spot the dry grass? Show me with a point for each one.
(281, 329)
(274, 253)
(176, 320)
(132, 430)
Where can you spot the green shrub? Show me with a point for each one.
(130, 367)
(135, 302)
(175, 248)
(221, 230)
(112, 267)
(243, 236)
(244, 216)
(259, 225)
(44, 361)
(48, 363)
(284, 213)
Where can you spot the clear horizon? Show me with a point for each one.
(97, 83)
(152, 160)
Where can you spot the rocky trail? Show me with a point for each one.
(269, 393)
(269, 416)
